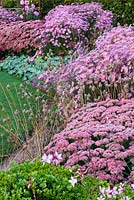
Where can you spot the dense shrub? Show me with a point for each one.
(123, 10)
(46, 181)
(100, 138)
(20, 36)
(38, 181)
(23, 68)
(69, 25)
(10, 3)
(104, 72)
(8, 16)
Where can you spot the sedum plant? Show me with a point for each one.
(20, 36)
(100, 138)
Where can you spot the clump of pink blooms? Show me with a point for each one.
(8, 16)
(100, 138)
(19, 35)
(107, 71)
(28, 9)
(73, 24)
(52, 158)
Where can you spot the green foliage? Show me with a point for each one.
(10, 3)
(47, 5)
(21, 67)
(43, 182)
(50, 182)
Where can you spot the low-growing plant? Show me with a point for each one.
(48, 181)
(100, 138)
(20, 36)
(22, 67)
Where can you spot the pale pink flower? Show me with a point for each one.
(36, 13)
(57, 158)
(21, 16)
(47, 158)
(126, 198)
(73, 181)
(22, 2)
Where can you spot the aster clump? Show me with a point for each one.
(73, 24)
(18, 36)
(29, 10)
(107, 71)
(100, 138)
(8, 16)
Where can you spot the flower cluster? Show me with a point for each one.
(20, 35)
(113, 192)
(28, 9)
(106, 71)
(100, 138)
(8, 16)
(52, 158)
(74, 24)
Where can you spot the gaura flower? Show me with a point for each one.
(73, 181)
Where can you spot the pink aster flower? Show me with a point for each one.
(22, 2)
(36, 13)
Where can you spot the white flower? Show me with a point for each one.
(101, 198)
(109, 192)
(47, 159)
(121, 188)
(73, 181)
(126, 198)
(57, 158)
(114, 192)
(102, 190)
(132, 185)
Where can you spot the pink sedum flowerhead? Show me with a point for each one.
(102, 149)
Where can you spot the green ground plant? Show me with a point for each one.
(38, 181)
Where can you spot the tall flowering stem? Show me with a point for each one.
(29, 10)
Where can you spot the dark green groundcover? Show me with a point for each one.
(40, 181)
